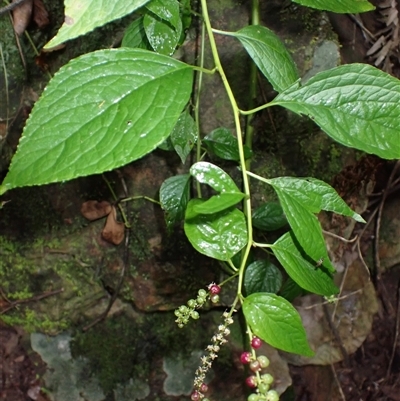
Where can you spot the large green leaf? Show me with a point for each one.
(338, 6)
(262, 276)
(174, 197)
(277, 322)
(135, 36)
(219, 236)
(307, 276)
(315, 195)
(222, 143)
(269, 217)
(219, 202)
(184, 135)
(269, 54)
(355, 104)
(100, 111)
(163, 25)
(84, 16)
(214, 176)
(306, 228)
(166, 10)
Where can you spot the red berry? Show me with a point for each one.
(245, 357)
(215, 289)
(204, 388)
(195, 396)
(255, 366)
(251, 381)
(256, 342)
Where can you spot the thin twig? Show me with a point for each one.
(379, 220)
(337, 337)
(377, 260)
(338, 383)
(11, 6)
(396, 335)
(347, 241)
(14, 304)
(117, 289)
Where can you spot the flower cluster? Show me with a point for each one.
(206, 361)
(185, 312)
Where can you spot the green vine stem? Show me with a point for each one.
(255, 20)
(197, 105)
(236, 114)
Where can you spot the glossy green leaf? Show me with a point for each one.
(308, 276)
(219, 236)
(315, 195)
(174, 197)
(290, 290)
(84, 16)
(355, 104)
(166, 145)
(186, 17)
(306, 228)
(219, 202)
(277, 322)
(223, 144)
(302, 197)
(269, 54)
(166, 10)
(269, 217)
(214, 176)
(184, 135)
(262, 276)
(338, 6)
(163, 25)
(135, 36)
(99, 112)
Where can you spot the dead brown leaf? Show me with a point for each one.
(40, 14)
(93, 210)
(113, 231)
(22, 16)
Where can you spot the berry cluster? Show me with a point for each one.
(185, 312)
(260, 382)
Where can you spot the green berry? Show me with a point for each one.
(272, 395)
(264, 361)
(267, 378)
(200, 300)
(195, 315)
(253, 397)
(191, 303)
(183, 309)
(263, 387)
(214, 298)
(202, 293)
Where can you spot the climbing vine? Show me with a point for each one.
(110, 107)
